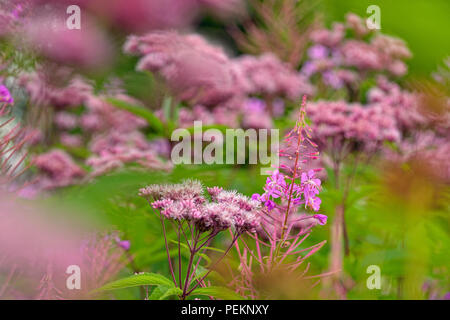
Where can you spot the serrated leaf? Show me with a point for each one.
(174, 291)
(217, 292)
(145, 279)
(158, 292)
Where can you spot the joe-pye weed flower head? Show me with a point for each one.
(198, 219)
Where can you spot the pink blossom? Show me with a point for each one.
(318, 51)
(185, 201)
(267, 75)
(367, 50)
(37, 247)
(87, 47)
(329, 38)
(43, 91)
(71, 140)
(357, 24)
(5, 95)
(281, 192)
(256, 115)
(321, 218)
(57, 169)
(196, 70)
(65, 120)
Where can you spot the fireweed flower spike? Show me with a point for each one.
(283, 228)
(198, 220)
(283, 183)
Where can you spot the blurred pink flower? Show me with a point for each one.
(87, 47)
(197, 71)
(255, 115)
(71, 140)
(341, 121)
(5, 95)
(41, 89)
(102, 116)
(139, 16)
(329, 38)
(357, 24)
(268, 76)
(366, 50)
(114, 149)
(425, 146)
(65, 120)
(37, 247)
(321, 218)
(57, 169)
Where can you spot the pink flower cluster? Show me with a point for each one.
(305, 193)
(254, 113)
(102, 117)
(116, 139)
(42, 91)
(186, 202)
(10, 17)
(57, 170)
(5, 95)
(424, 146)
(202, 73)
(113, 135)
(343, 121)
(336, 57)
(267, 75)
(390, 114)
(400, 104)
(194, 69)
(115, 149)
(65, 120)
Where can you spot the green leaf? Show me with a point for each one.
(174, 291)
(217, 292)
(183, 245)
(205, 257)
(213, 249)
(167, 103)
(143, 279)
(200, 272)
(158, 292)
(152, 120)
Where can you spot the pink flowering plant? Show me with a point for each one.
(197, 220)
(289, 193)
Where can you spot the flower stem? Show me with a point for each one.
(167, 250)
(215, 263)
(191, 260)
